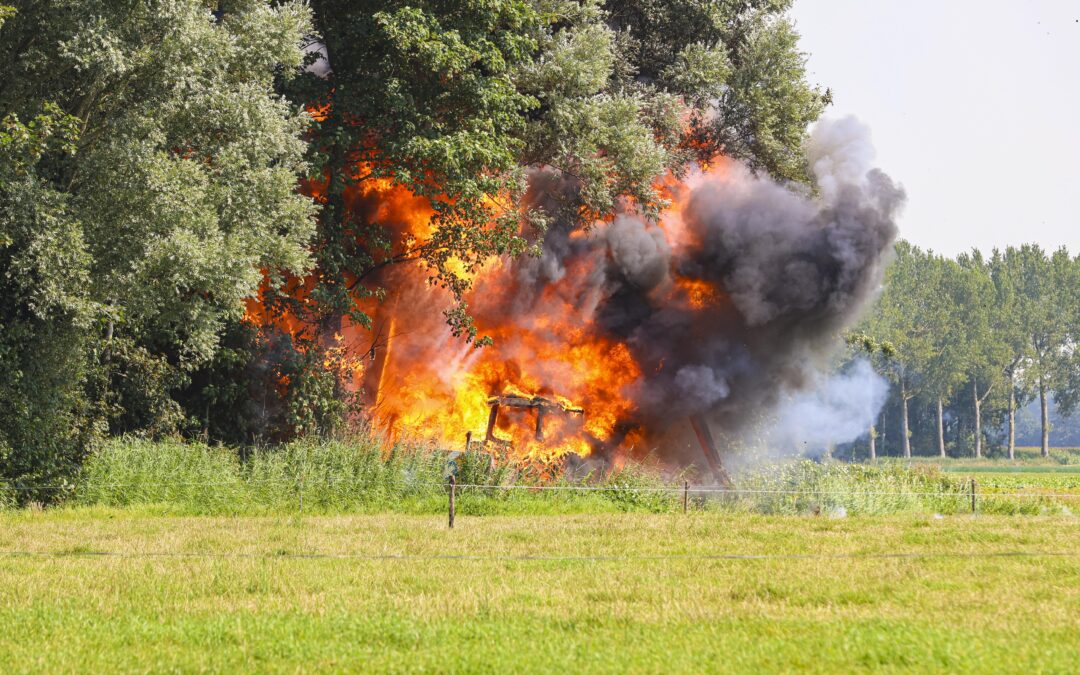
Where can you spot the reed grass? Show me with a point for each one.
(357, 475)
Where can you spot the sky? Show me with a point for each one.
(974, 107)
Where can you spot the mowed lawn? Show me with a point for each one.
(105, 590)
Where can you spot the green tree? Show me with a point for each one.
(738, 63)
(983, 352)
(1041, 288)
(945, 367)
(1009, 312)
(149, 218)
(459, 101)
(46, 312)
(1067, 390)
(904, 317)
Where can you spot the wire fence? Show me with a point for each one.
(961, 498)
(629, 489)
(404, 557)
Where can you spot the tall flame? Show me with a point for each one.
(419, 380)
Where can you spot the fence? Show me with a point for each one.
(682, 498)
(685, 497)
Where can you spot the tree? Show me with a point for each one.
(904, 318)
(1041, 283)
(880, 355)
(987, 355)
(1067, 382)
(46, 311)
(458, 102)
(743, 56)
(1009, 326)
(945, 368)
(145, 219)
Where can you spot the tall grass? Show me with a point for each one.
(353, 475)
(359, 475)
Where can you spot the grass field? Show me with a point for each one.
(1027, 459)
(1028, 474)
(105, 589)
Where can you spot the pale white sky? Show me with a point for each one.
(974, 107)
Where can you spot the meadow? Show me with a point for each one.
(105, 589)
(337, 556)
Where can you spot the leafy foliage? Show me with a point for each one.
(983, 335)
(154, 179)
(459, 101)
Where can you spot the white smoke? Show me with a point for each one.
(840, 152)
(834, 409)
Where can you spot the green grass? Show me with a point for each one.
(234, 602)
(1027, 458)
(351, 476)
(1029, 475)
(357, 476)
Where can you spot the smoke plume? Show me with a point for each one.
(837, 408)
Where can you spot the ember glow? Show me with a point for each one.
(622, 330)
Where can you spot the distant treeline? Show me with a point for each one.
(966, 342)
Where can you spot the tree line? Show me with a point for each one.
(967, 341)
(150, 154)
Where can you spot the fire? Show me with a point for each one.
(701, 309)
(699, 293)
(553, 383)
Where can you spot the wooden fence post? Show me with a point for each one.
(453, 484)
(685, 496)
(972, 496)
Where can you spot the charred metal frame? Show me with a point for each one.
(542, 405)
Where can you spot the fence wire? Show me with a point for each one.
(914, 555)
(673, 489)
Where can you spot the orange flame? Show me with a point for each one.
(418, 380)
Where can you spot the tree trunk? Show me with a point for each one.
(978, 419)
(940, 428)
(1045, 417)
(905, 434)
(873, 443)
(1012, 418)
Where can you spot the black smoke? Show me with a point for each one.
(792, 269)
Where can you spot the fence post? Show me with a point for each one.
(453, 483)
(973, 496)
(685, 495)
